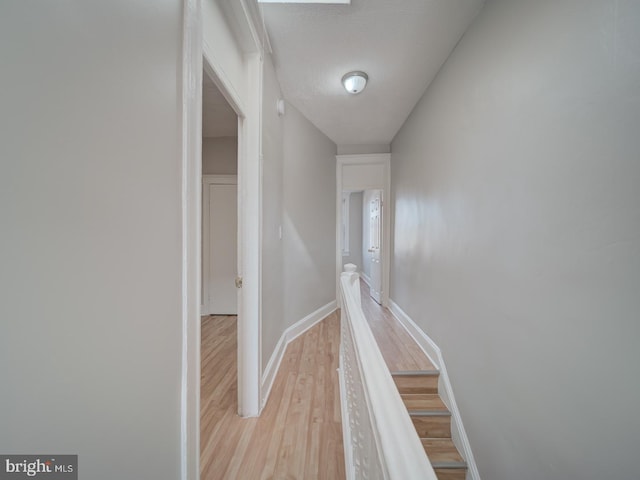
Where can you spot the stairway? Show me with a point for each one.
(432, 420)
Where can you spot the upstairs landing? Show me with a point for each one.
(400, 351)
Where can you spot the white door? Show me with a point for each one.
(375, 241)
(222, 249)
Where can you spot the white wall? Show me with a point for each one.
(298, 194)
(309, 217)
(355, 230)
(357, 149)
(220, 156)
(90, 310)
(517, 235)
(273, 320)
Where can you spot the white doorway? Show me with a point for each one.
(247, 162)
(367, 173)
(220, 267)
(219, 244)
(224, 45)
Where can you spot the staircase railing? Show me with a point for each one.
(380, 439)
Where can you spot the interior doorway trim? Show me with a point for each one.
(244, 96)
(249, 238)
(365, 172)
(191, 205)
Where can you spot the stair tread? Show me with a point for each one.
(450, 465)
(442, 450)
(451, 473)
(415, 383)
(416, 373)
(423, 401)
(432, 426)
(429, 413)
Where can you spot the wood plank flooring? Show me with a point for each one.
(298, 435)
(399, 350)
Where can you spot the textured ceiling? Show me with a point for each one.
(400, 44)
(218, 118)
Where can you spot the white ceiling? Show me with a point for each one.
(218, 118)
(400, 44)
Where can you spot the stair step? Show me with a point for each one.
(451, 473)
(416, 382)
(441, 450)
(445, 458)
(423, 401)
(432, 424)
(449, 465)
(409, 373)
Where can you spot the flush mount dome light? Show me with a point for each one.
(354, 82)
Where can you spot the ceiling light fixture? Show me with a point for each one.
(354, 82)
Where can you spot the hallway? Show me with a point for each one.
(298, 434)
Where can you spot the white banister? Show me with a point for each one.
(380, 439)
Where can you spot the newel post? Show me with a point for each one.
(351, 274)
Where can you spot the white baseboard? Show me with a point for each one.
(434, 353)
(366, 278)
(290, 334)
(270, 371)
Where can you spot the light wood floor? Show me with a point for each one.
(298, 435)
(399, 350)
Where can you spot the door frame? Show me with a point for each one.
(191, 237)
(246, 100)
(244, 96)
(375, 178)
(249, 226)
(208, 180)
